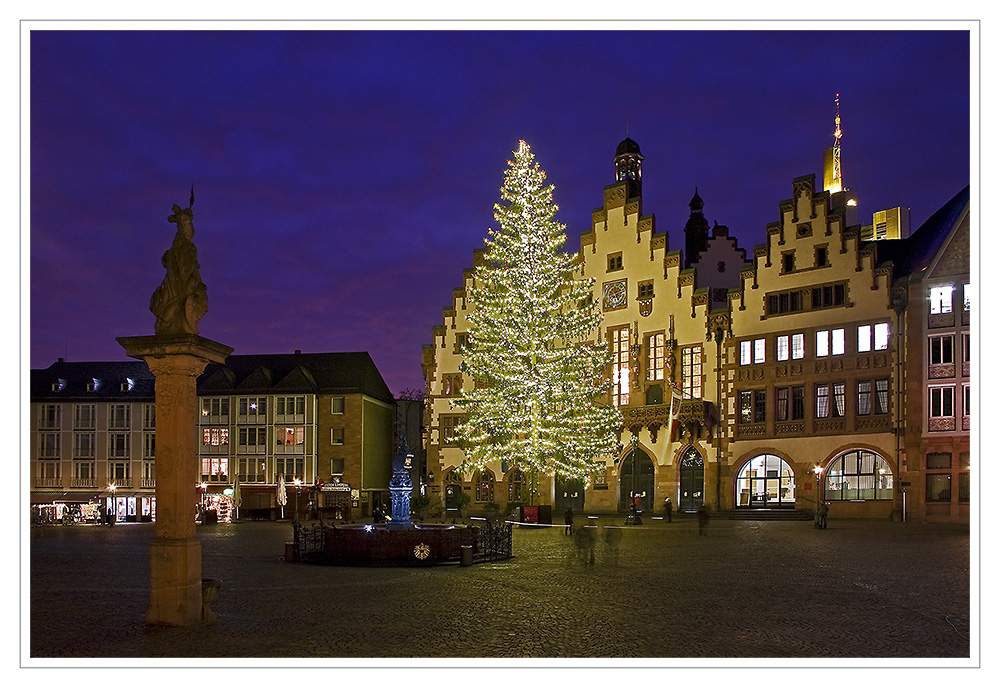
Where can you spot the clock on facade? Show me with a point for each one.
(615, 295)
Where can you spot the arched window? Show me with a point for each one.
(858, 474)
(515, 484)
(484, 487)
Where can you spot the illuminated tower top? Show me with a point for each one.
(833, 180)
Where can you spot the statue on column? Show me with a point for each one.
(181, 300)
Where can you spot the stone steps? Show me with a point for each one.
(765, 514)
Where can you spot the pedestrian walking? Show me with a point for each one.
(568, 517)
(824, 511)
(584, 541)
(668, 507)
(702, 518)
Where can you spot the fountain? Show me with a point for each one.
(400, 542)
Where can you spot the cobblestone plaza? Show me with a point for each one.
(861, 589)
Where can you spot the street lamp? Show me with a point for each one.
(298, 484)
(113, 511)
(818, 470)
(633, 513)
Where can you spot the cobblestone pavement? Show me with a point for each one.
(744, 590)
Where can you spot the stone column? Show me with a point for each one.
(175, 555)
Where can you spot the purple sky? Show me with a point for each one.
(343, 179)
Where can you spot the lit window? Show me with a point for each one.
(822, 401)
(337, 405)
(745, 352)
(881, 336)
(337, 436)
(823, 343)
(941, 299)
(864, 338)
(838, 400)
(654, 357)
(691, 372)
(881, 396)
(619, 357)
(758, 350)
(838, 342)
(783, 347)
(856, 475)
(967, 297)
(336, 466)
(864, 397)
(798, 345)
(291, 437)
(215, 437)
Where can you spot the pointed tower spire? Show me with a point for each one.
(833, 180)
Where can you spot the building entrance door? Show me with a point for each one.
(640, 491)
(692, 480)
(569, 494)
(765, 482)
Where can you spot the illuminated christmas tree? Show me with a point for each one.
(534, 352)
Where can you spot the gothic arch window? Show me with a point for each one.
(484, 487)
(515, 484)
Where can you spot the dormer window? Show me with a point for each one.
(93, 385)
(59, 385)
(128, 385)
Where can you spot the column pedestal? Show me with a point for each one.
(175, 555)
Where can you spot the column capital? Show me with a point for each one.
(159, 349)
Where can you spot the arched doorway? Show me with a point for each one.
(692, 479)
(451, 492)
(636, 462)
(569, 494)
(765, 482)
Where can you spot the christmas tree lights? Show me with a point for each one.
(538, 376)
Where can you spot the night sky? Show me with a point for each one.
(344, 178)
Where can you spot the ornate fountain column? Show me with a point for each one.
(400, 486)
(177, 355)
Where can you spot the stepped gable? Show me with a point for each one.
(74, 378)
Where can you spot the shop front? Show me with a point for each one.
(765, 481)
(334, 501)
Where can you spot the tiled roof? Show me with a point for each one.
(327, 373)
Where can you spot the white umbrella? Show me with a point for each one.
(282, 494)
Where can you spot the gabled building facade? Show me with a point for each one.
(659, 316)
(773, 383)
(811, 409)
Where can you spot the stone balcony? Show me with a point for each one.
(689, 413)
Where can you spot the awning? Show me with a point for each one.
(50, 497)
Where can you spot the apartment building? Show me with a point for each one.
(323, 420)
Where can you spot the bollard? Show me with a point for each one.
(466, 555)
